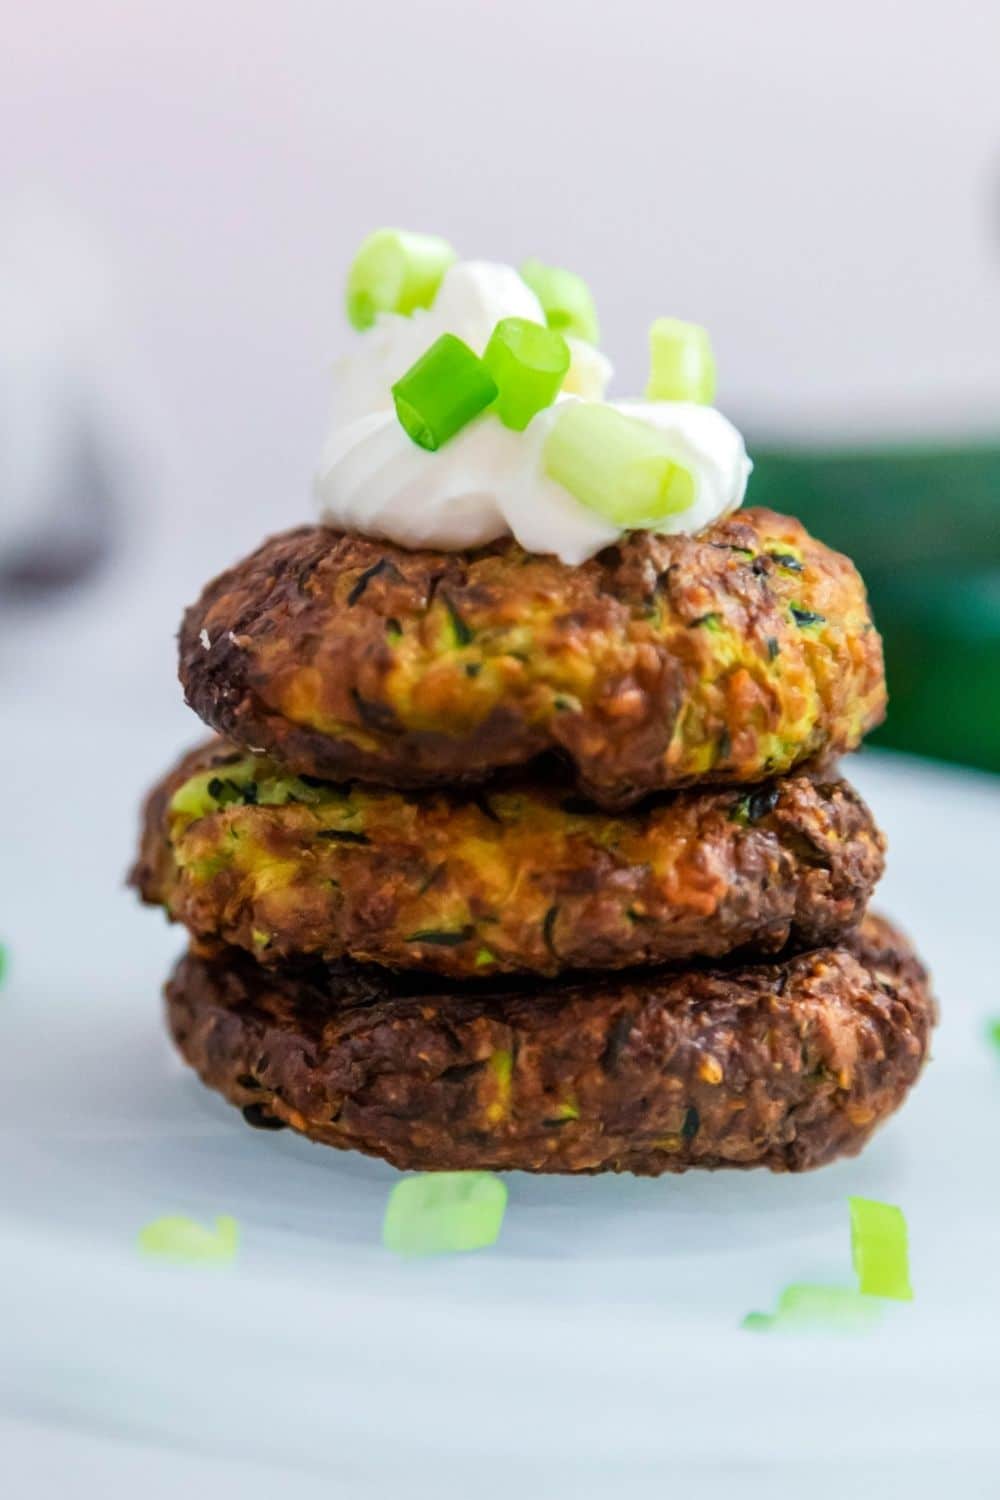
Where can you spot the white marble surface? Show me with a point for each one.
(595, 1351)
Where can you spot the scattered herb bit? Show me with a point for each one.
(548, 930)
(438, 1213)
(373, 715)
(384, 565)
(342, 836)
(463, 635)
(804, 1307)
(484, 958)
(226, 792)
(501, 1066)
(393, 629)
(179, 1238)
(773, 648)
(260, 1118)
(681, 363)
(879, 1249)
(442, 392)
(786, 560)
(529, 363)
(395, 271)
(482, 801)
(617, 1041)
(711, 621)
(442, 939)
(692, 1120)
(473, 668)
(566, 300)
(805, 617)
(755, 806)
(565, 705)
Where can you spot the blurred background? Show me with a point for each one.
(182, 188)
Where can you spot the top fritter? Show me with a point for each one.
(664, 660)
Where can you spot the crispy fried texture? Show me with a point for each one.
(519, 877)
(726, 657)
(785, 1065)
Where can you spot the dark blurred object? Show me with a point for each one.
(923, 526)
(65, 415)
(75, 532)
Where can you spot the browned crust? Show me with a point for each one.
(785, 1065)
(724, 657)
(518, 878)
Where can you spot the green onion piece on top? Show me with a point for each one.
(439, 1212)
(619, 466)
(179, 1238)
(528, 363)
(879, 1249)
(565, 298)
(442, 392)
(397, 272)
(681, 363)
(806, 1307)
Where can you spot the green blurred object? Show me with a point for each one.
(923, 526)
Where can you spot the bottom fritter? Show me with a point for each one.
(783, 1065)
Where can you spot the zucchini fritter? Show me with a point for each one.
(518, 876)
(725, 657)
(785, 1065)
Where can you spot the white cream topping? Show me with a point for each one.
(487, 481)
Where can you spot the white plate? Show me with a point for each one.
(596, 1350)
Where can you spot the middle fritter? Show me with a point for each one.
(519, 877)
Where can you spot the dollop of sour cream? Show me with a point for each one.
(489, 481)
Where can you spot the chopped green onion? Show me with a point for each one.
(528, 363)
(438, 1212)
(879, 1249)
(182, 1239)
(806, 1307)
(681, 363)
(397, 272)
(565, 298)
(442, 392)
(619, 466)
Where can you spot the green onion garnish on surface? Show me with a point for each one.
(619, 466)
(442, 392)
(879, 1249)
(565, 298)
(179, 1238)
(439, 1212)
(805, 1307)
(397, 272)
(681, 363)
(529, 364)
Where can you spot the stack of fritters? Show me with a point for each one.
(505, 863)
